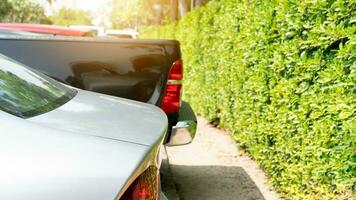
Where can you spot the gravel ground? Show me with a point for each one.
(211, 168)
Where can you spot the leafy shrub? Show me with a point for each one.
(280, 75)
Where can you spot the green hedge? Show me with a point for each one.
(280, 75)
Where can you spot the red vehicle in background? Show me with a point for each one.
(45, 29)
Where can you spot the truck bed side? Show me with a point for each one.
(134, 69)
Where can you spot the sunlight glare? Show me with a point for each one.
(91, 5)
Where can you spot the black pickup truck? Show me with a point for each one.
(149, 71)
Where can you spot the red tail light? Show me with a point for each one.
(172, 97)
(145, 187)
(176, 72)
(171, 100)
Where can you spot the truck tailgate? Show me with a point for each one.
(134, 69)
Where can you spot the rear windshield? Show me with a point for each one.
(26, 93)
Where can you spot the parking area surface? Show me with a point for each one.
(211, 168)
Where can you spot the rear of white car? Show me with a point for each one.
(61, 143)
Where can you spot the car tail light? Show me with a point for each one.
(172, 96)
(145, 187)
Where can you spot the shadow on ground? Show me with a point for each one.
(214, 182)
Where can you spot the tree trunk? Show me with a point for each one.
(183, 8)
(159, 14)
(174, 10)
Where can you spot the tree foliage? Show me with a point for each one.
(133, 13)
(22, 11)
(136, 13)
(69, 16)
(5, 7)
(280, 75)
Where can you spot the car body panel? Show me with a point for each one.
(108, 117)
(43, 163)
(92, 147)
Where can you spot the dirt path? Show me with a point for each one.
(210, 168)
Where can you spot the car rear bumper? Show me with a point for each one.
(163, 197)
(183, 132)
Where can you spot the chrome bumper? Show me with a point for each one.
(185, 129)
(163, 197)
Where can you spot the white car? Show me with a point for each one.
(62, 143)
(124, 34)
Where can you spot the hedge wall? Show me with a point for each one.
(280, 75)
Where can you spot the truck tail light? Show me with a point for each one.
(145, 187)
(171, 101)
(176, 72)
